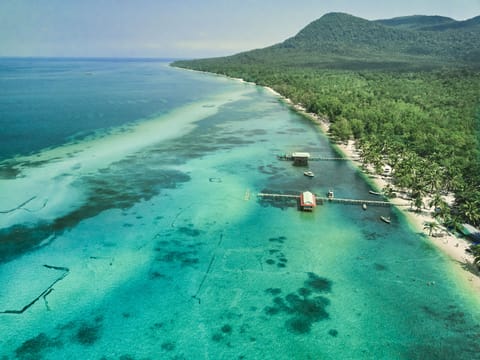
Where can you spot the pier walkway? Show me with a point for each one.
(319, 158)
(322, 199)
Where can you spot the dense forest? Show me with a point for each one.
(407, 90)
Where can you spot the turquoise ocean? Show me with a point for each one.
(130, 228)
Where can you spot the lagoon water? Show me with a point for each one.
(130, 229)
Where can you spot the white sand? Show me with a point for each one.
(449, 244)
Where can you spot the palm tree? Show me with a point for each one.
(431, 226)
(434, 176)
(440, 206)
(453, 223)
(417, 201)
(476, 254)
(470, 209)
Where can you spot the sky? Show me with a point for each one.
(182, 28)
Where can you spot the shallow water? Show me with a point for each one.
(161, 249)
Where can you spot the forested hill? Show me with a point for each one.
(406, 89)
(343, 40)
(347, 35)
(432, 23)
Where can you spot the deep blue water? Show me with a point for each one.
(130, 229)
(46, 102)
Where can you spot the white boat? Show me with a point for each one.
(330, 194)
(385, 219)
(308, 173)
(364, 206)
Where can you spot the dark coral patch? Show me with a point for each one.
(273, 291)
(184, 257)
(317, 283)
(189, 231)
(303, 306)
(88, 334)
(126, 357)
(271, 310)
(155, 275)
(299, 325)
(217, 337)
(168, 346)
(280, 239)
(34, 347)
(226, 329)
(312, 308)
(304, 291)
(333, 332)
(379, 267)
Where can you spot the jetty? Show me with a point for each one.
(303, 158)
(322, 199)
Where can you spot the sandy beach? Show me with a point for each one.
(451, 245)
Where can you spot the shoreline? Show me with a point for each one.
(450, 245)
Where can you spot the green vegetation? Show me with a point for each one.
(406, 89)
(476, 255)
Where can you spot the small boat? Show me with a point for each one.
(330, 194)
(385, 219)
(308, 173)
(375, 193)
(364, 206)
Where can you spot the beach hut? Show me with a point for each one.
(307, 201)
(300, 158)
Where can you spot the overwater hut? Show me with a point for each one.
(307, 201)
(300, 158)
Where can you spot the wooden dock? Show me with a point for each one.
(322, 199)
(318, 158)
(279, 196)
(355, 201)
(325, 158)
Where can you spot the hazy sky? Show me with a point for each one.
(182, 28)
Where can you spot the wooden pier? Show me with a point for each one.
(326, 158)
(355, 201)
(317, 158)
(279, 196)
(322, 199)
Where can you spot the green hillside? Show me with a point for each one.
(342, 40)
(406, 89)
(417, 22)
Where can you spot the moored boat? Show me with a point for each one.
(385, 219)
